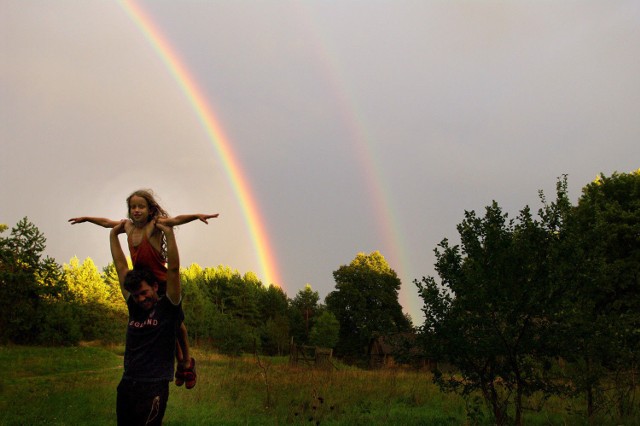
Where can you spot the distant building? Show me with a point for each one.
(396, 349)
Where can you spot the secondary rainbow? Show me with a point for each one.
(388, 225)
(215, 134)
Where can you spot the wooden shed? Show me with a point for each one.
(395, 349)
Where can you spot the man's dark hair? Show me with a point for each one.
(133, 279)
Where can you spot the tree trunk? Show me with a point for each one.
(518, 419)
(491, 395)
(590, 407)
(589, 402)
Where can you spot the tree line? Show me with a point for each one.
(42, 302)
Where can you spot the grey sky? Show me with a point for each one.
(361, 125)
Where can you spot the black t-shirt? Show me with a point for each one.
(151, 341)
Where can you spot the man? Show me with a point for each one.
(154, 319)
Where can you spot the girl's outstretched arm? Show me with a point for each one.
(102, 221)
(186, 218)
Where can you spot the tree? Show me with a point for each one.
(234, 294)
(303, 308)
(605, 320)
(232, 336)
(29, 284)
(365, 302)
(493, 312)
(110, 277)
(220, 297)
(272, 302)
(325, 331)
(85, 282)
(197, 307)
(276, 334)
(274, 309)
(92, 301)
(243, 301)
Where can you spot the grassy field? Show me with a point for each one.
(76, 386)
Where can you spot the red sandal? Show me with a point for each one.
(190, 375)
(186, 375)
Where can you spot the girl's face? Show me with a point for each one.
(138, 210)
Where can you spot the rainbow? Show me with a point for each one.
(214, 132)
(388, 226)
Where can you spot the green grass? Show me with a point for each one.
(239, 391)
(58, 386)
(77, 386)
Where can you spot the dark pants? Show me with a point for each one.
(141, 403)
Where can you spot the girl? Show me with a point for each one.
(147, 247)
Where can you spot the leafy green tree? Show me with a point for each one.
(92, 298)
(219, 286)
(85, 282)
(243, 300)
(234, 294)
(492, 314)
(228, 298)
(273, 306)
(61, 326)
(272, 302)
(365, 303)
(325, 331)
(232, 336)
(114, 293)
(276, 335)
(29, 284)
(303, 308)
(195, 303)
(604, 324)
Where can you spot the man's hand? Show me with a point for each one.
(119, 228)
(161, 226)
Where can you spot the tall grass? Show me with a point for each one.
(247, 390)
(77, 386)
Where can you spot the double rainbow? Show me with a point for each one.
(386, 219)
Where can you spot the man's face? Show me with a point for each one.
(146, 296)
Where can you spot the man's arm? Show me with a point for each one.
(173, 264)
(119, 259)
(186, 218)
(101, 221)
